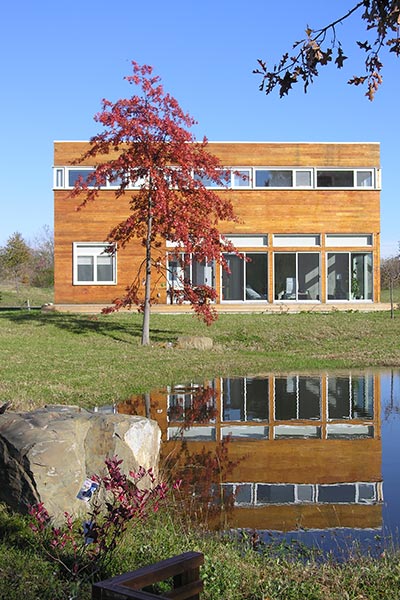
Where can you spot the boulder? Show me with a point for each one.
(188, 342)
(46, 454)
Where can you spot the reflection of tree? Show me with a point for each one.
(201, 473)
(200, 409)
(390, 277)
(392, 410)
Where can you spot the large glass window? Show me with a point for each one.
(94, 264)
(244, 399)
(297, 276)
(247, 279)
(351, 398)
(350, 276)
(181, 268)
(297, 398)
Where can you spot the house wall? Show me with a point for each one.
(260, 211)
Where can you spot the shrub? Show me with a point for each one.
(83, 552)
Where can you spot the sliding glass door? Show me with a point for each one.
(297, 276)
(181, 268)
(350, 276)
(247, 279)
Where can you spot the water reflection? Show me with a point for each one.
(305, 452)
(274, 408)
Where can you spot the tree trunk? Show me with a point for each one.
(147, 285)
(147, 405)
(391, 299)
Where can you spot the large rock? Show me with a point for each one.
(46, 454)
(189, 342)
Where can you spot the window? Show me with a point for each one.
(297, 431)
(364, 179)
(350, 276)
(247, 280)
(303, 178)
(360, 178)
(351, 398)
(224, 181)
(248, 241)
(348, 431)
(335, 179)
(181, 268)
(241, 178)
(297, 276)
(337, 493)
(273, 178)
(297, 240)
(276, 178)
(349, 240)
(245, 399)
(297, 398)
(94, 264)
(59, 178)
(191, 404)
(75, 174)
(275, 493)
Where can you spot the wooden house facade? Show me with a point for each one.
(308, 223)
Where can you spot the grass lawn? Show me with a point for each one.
(11, 295)
(95, 360)
(86, 360)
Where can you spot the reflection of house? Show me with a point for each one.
(309, 224)
(308, 449)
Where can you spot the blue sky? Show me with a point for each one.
(59, 59)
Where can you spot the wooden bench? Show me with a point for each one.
(183, 569)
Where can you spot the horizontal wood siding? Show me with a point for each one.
(261, 154)
(297, 154)
(322, 516)
(311, 211)
(91, 224)
(267, 211)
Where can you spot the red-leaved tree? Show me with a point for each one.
(146, 143)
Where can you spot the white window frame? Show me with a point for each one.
(297, 252)
(365, 252)
(349, 170)
(58, 178)
(93, 249)
(70, 169)
(244, 299)
(351, 240)
(61, 178)
(247, 184)
(248, 241)
(296, 240)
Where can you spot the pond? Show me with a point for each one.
(311, 459)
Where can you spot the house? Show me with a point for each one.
(309, 223)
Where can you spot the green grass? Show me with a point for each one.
(11, 295)
(385, 295)
(232, 569)
(75, 359)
